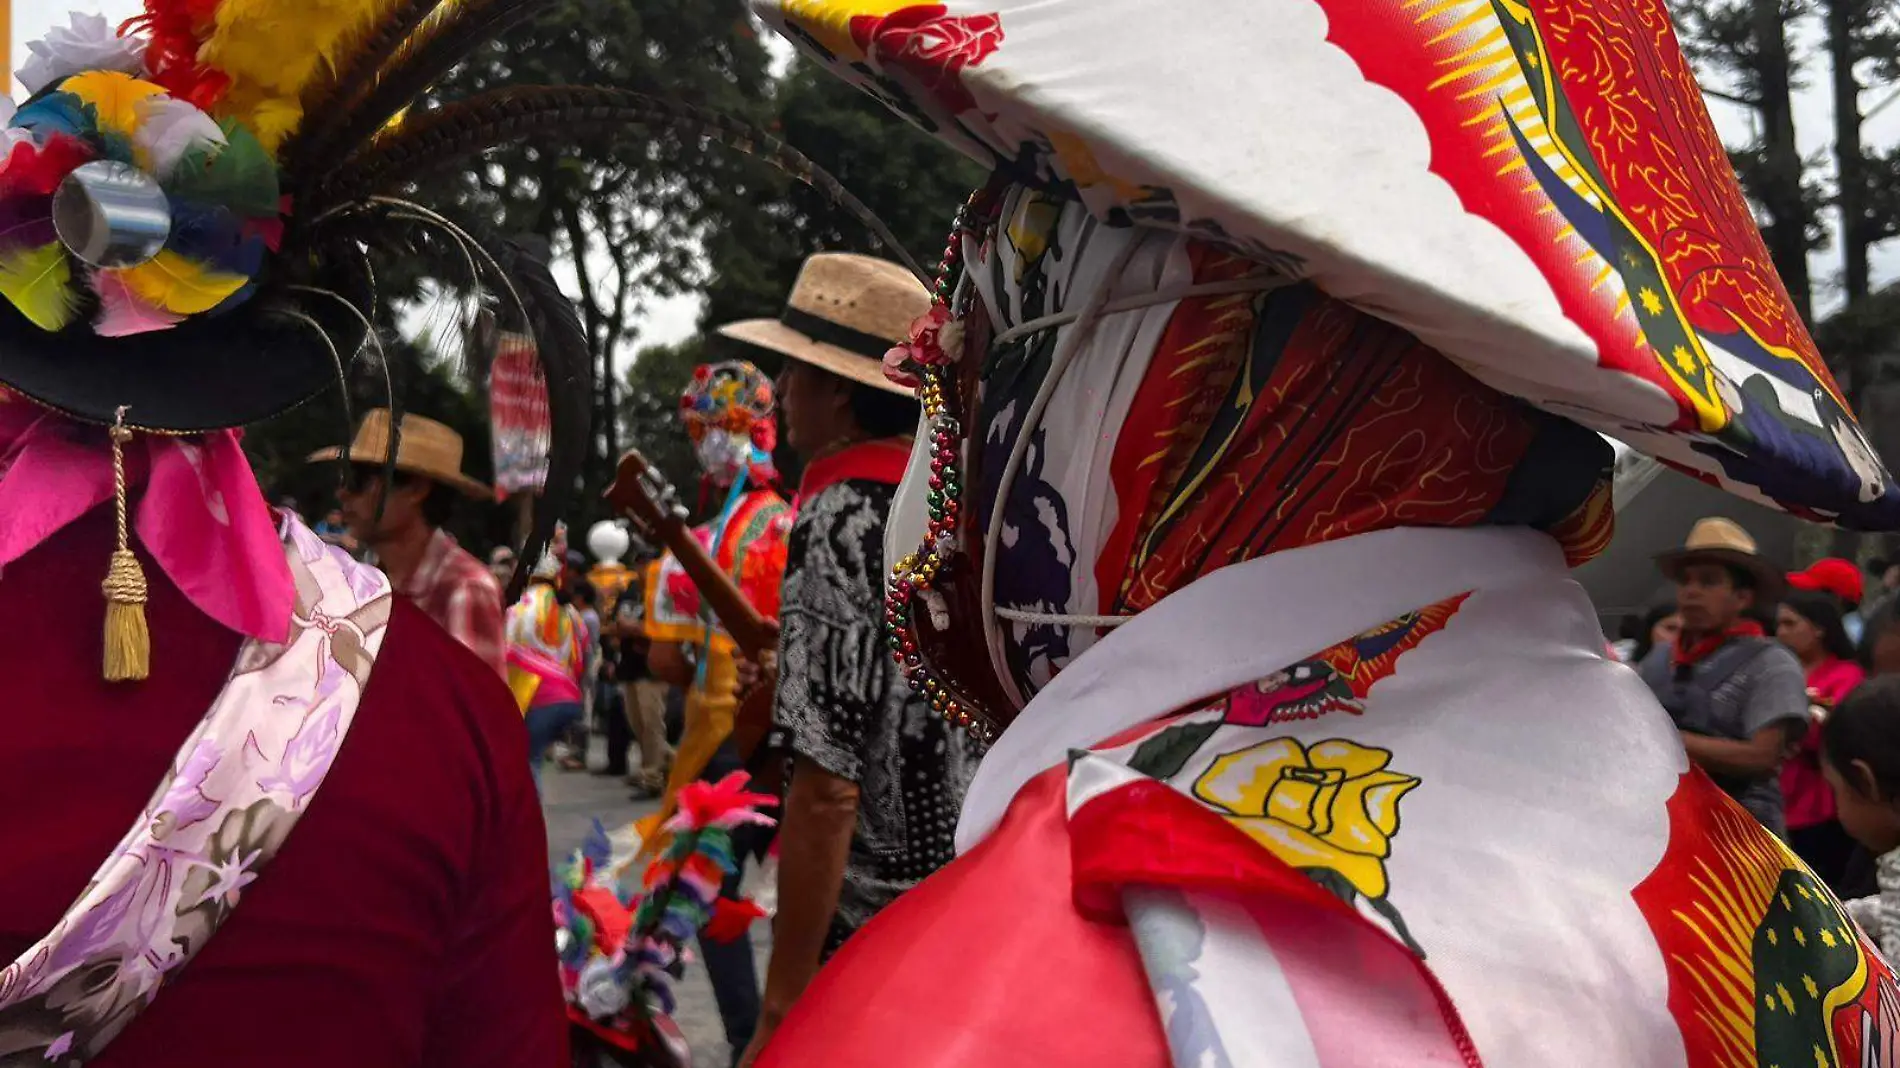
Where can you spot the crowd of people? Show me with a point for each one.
(1754, 710)
(1169, 654)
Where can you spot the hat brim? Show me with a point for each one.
(206, 373)
(774, 336)
(1769, 581)
(454, 480)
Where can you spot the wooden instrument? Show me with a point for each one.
(644, 496)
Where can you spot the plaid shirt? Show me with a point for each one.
(457, 591)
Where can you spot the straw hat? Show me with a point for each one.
(844, 313)
(1723, 541)
(425, 448)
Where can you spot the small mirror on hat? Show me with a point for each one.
(111, 214)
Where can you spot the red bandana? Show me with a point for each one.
(881, 461)
(1685, 655)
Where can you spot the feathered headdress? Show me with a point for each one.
(193, 205)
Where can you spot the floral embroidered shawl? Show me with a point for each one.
(235, 791)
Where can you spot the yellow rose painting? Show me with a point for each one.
(1329, 810)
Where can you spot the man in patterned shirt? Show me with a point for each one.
(403, 527)
(878, 779)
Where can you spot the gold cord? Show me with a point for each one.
(128, 643)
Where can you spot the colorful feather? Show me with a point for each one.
(26, 222)
(122, 312)
(179, 285)
(56, 113)
(37, 170)
(39, 283)
(267, 79)
(239, 175)
(168, 128)
(114, 97)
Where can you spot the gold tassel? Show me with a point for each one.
(128, 643)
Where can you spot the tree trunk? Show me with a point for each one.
(1787, 229)
(1849, 160)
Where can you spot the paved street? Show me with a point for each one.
(572, 800)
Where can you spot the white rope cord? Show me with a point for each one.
(1256, 284)
(1091, 312)
(1017, 615)
(1066, 349)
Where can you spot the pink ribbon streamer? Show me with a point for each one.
(200, 516)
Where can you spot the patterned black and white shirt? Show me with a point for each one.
(847, 709)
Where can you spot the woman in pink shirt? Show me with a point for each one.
(1809, 624)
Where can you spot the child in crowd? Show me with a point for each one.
(1860, 751)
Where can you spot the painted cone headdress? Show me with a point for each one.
(1532, 188)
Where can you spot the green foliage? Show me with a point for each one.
(426, 385)
(649, 409)
(652, 214)
(910, 180)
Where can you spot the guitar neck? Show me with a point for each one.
(736, 614)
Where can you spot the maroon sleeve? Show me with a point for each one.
(499, 1005)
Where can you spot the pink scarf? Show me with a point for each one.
(201, 516)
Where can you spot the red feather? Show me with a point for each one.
(730, 919)
(37, 170)
(177, 28)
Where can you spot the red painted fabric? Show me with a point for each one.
(993, 937)
(404, 925)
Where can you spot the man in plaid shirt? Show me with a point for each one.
(422, 560)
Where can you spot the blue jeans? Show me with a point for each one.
(546, 724)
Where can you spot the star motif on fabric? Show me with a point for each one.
(1532, 61)
(1827, 939)
(1814, 989)
(1787, 1000)
(1686, 360)
(1651, 302)
(229, 877)
(1773, 938)
(1800, 936)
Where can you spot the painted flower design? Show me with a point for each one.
(1331, 807)
(931, 45)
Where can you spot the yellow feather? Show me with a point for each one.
(39, 282)
(114, 96)
(272, 50)
(179, 285)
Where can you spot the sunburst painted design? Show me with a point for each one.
(1764, 968)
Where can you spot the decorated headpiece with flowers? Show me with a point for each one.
(727, 409)
(200, 196)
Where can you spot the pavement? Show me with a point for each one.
(572, 801)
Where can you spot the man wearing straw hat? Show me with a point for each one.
(404, 525)
(878, 779)
(1738, 697)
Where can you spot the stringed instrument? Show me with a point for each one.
(647, 499)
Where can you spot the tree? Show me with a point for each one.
(909, 179)
(1740, 49)
(624, 209)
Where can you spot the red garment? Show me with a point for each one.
(1686, 653)
(458, 592)
(1805, 792)
(882, 461)
(405, 923)
(993, 937)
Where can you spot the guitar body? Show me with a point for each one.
(644, 497)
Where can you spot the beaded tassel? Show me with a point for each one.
(128, 652)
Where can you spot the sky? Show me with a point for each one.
(662, 321)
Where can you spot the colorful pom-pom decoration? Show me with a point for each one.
(123, 205)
